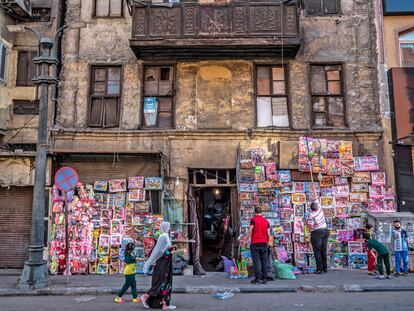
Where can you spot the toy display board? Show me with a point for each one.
(335, 159)
(80, 210)
(102, 219)
(346, 196)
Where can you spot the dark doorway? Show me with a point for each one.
(404, 177)
(214, 215)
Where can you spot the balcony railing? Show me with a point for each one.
(248, 27)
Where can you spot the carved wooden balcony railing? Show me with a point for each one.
(238, 29)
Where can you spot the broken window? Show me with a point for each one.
(327, 96)
(158, 96)
(108, 8)
(26, 68)
(322, 7)
(272, 97)
(3, 62)
(105, 97)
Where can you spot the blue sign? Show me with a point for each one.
(66, 179)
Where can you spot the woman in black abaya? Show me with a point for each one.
(159, 295)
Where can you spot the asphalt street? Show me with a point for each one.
(393, 301)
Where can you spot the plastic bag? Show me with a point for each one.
(284, 271)
(226, 294)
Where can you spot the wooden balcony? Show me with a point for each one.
(241, 28)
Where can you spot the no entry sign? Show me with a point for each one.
(66, 179)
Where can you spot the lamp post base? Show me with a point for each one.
(34, 276)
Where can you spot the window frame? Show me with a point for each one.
(91, 96)
(26, 111)
(29, 82)
(342, 95)
(37, 18)
(339, 11)
(286, 95)
(94, 7)
(173, 66)
(6, 49)
(399, 42)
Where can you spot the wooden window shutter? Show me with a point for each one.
(111, 112)
(3, 61)
(32, 67)
(318, 80)
(102, 8)
(116, 8)
(263, 80)
(22, 68)
(95, 112)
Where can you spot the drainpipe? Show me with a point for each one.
(61, 17)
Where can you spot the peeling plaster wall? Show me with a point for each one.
(20, 129)
(210, 123)
(102, 41)
(199, 100)
(350, 40)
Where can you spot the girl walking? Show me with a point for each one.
(159, 295)
(129, 273)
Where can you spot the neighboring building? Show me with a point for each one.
(398, 42)
(191, 82)
(18, 122)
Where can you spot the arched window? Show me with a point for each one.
(407, 48)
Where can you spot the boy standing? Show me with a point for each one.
(381, 253)
(400, 242)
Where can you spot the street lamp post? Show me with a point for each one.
(34, 273)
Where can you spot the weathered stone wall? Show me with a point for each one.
(101, 41)
(214, 99)
(215, 95)
(21, 129)
(348, 39)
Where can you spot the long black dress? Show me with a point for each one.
(161, 283)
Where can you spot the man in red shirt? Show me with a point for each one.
(259, 239)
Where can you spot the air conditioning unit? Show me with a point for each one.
(22, 8)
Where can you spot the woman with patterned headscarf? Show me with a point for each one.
(159, 295)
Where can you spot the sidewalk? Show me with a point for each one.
(333, 281)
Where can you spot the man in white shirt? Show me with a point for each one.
(319, 235)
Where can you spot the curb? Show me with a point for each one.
(84, 291)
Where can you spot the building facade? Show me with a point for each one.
(396, 58)
(176, 89)
(18, 122)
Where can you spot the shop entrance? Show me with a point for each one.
(215, 195)
(215, 212)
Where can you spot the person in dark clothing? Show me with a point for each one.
(129, 273)
(381, 253)
(159, 295)
(319, 235)
(259, 239)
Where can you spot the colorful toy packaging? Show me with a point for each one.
(348, 188)
(101, 219)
